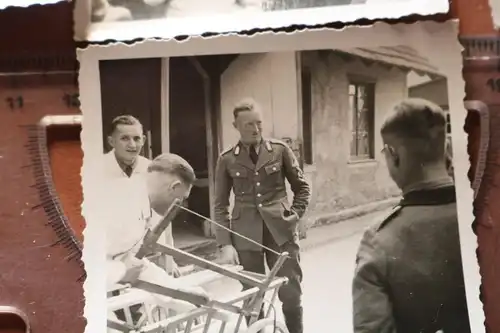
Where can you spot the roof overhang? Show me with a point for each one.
(402, 57)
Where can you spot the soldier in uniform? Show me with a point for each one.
(256, 169)
(409, 275)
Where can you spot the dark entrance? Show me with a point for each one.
(188, 138)
(133, 86)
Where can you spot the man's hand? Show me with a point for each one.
(227, 256)
(290, 216)
(175, 271)
(134, 269)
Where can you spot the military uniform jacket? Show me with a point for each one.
(259, 194)
(409, 274)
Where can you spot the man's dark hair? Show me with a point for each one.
(174, 165)
(420, 126)
(246, 104)
(123, 120)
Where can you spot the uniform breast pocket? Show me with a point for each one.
(241, 181)
(273, 172)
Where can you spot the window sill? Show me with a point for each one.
(363, 162)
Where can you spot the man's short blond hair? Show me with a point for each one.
(124, 119)
(174, 165)
(246, 104)
(420, 126)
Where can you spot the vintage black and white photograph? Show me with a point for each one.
(99, 20)
(268, 184)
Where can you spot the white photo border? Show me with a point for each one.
(495, 13)
(423, 36)
(198, 25)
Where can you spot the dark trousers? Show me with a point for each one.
(290, 294)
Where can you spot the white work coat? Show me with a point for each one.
(112, 170)
(126, 215)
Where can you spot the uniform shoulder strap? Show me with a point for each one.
(277, 142)
(270, 142)
(389, 217)
(227, 150)
(235, 149)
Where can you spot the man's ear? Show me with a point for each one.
(175, 184)
(234, 125)
(110, 141)
(395, 156)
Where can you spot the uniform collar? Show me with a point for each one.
(428, 184)
(243, 158)
(247, 146)
(432, 193)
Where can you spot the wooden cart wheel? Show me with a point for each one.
(262, 324)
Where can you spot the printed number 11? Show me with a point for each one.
(494, 85)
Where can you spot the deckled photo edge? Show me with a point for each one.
(392, 35)
(120, 22)
(495, 13)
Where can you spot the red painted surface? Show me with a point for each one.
(474, 16)
(66, 157)
(36, 276)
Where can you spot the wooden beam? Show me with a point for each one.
(195, 260)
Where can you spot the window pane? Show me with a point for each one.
(363, 144)
(352, 105)
(353, 143)
(361, 107)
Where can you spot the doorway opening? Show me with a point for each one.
(188, 138)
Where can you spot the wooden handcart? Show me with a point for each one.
(239, 313)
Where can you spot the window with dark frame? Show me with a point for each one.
(362, 107)
(306, 83)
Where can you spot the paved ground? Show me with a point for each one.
(328, 263)
(328, 269)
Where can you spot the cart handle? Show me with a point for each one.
(192, 259)
(152, 235)
(150, 245)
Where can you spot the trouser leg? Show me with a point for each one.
(290, 294)
(252, 261)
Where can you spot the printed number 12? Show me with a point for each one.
(494, 85)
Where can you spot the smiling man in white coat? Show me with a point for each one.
(126, 138)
